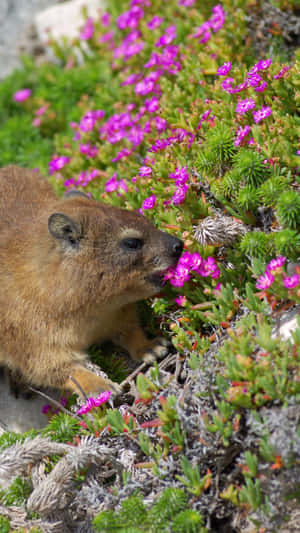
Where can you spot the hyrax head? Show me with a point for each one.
(118, 256)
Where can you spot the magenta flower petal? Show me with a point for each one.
(276, 263)
(22, 95)
(290, 282)
(149, 202)
(265, 281)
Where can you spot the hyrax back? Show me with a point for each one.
(71, 270)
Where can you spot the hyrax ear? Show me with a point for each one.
(65, 229)
(74, 192)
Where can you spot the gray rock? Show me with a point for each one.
(65, 20)
(15, 16)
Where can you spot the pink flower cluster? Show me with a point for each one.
(214, 24)
(91, 403)
(88, 150)
(181, 177)
(87, 30)
(130, 46)
(149, 203)
(169, 36)
(275, 267)
(83, 179)
(57, 163)
(190, 264)
(253, 78)
(165, 61)
(115, 185)
(130, 19)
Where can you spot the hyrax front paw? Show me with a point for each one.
(156, 349)
(83, 382)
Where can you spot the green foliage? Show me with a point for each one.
(109, 362)
(62, 428)
(257, 244)
(261, 367)
(251, 167)
(251, 493)
(224, 177)
(287, 243)
(17, 493)
(4, 525)
(195, 484)
(288, 209)
(10, 438)
(169, 512)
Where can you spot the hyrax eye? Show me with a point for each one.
(132, 244)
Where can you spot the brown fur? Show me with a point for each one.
(65, 286)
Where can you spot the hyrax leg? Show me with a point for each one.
(131, 337)
(89, 383)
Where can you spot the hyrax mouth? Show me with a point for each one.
(174, 248)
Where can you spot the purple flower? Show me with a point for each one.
(262, 87)
(179, 194)
(241, 133)
(204, 32)
(263, 64)
(265, 281)
(94, 402)
(291, 282)
(224, 69)
(245, 105)
(88, 150)
(149, 202)
(57, 163)
(218, 18)
(179, 276)
(135, 135)
(145, 171)
(155, 22)
(160, 124)
(145, 86)
(180, 175)
(196, 261)
(108, 36)
(261, 114)
(214, 23)
(46, 408)
(122, 154)
(22, 95)
(208, 268)
(113, 184)
(130, 19)
(281, 72)
(180, 300)
(168, 37)
(152, 104)
(105, 19)
(131, 79)
(89, 120)
(87, 30)
(186, 3)
(238, 88)
(276, 263)
(255, 80)
(204, 117)
(227, 84)
(186, 260)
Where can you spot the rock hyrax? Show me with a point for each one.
(71, 272)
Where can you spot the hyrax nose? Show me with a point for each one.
(176, 247)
